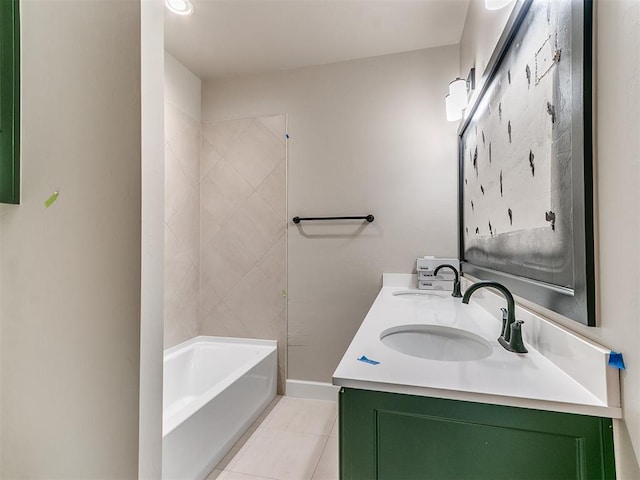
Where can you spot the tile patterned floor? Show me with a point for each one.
(294, 439)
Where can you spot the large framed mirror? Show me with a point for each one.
(525, 154)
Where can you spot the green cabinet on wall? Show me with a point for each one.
(391, 436)
(9, 102)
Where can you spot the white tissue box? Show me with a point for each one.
(444, 274)
(445, 285)
(427, 265)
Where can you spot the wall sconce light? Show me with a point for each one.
(458, 92)
(180, 7)
(496, 4)
(456, 100)
(454, 113)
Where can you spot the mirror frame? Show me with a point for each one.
(577, 303)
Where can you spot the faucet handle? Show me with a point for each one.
(515, 342)
(505, 322)
(456, 289)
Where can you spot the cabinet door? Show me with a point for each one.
(9, 102)
(396, 437)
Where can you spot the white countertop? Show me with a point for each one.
(504, 378)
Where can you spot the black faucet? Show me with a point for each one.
(511, 334)
(456, 281)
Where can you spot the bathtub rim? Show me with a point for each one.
(168, 352)
(271, 347)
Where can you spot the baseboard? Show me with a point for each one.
(312, 390)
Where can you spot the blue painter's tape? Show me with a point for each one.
(368, 360)
(616, 360)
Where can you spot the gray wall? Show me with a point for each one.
(152, 255)
(617, 56)
(367, 136)
(70, 275)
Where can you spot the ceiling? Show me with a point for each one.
(227, 38)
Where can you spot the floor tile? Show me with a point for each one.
(246, 438)
(240, 446)
(269, 410)
(303, 416)
(327, 468)
(280, 454)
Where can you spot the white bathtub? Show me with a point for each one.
(214, 389)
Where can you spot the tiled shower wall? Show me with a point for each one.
(242, 231)
(182, 226)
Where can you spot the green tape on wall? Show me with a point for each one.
(50, 201)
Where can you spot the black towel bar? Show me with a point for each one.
(369, 218)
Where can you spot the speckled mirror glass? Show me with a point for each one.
(525, 162)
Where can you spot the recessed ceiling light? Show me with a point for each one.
(180, 7)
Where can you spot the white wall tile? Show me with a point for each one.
(255, 227)
(274, 189)
(255, 153)
(182, 225)
(277, 124)
(242, 231)
(210, 157)
(223, 263)
(223, 134)
(175, 120)
(272, 264)
(255, 300)
(223, 191)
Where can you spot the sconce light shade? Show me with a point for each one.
(458, 93)
(454, 112)
(496, 4)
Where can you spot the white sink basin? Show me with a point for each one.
(436, 342)
(420, 294)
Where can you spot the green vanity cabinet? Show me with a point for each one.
(391, 436)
